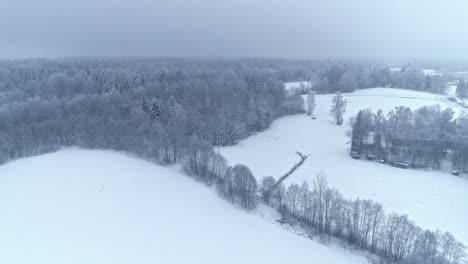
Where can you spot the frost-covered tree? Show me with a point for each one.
(311, 102)
(321, 85)
(144, 106)
(171, 107)
(338, 108)
(293, 198)
(348, 82)
(364, 224)
(357, 133)
(266, 185)
(320, 187)
(245, 186)
(462, 89)
(361, 126)
(365, 78)
(156, 110)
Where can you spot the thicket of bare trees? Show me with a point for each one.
(320, 209)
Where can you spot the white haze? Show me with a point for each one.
(397, 29)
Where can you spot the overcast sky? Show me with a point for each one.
(370, 29)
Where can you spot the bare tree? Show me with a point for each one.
(292, 198)
(245, 186)
(320, 187)
(265, 186)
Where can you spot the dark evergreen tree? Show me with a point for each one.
(357, 133)
(144, 106)
(156, 110)
(462, 89)
(428, 83)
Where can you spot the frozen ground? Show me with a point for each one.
(433, 199)
(101, 207)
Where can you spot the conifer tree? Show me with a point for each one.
(357, 134)
(156, 109)
(462, 92)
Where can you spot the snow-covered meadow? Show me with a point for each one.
(77, 206)
(434, 199)
(385, 99)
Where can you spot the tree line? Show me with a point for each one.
(462, 89)
(421, 138)
(322, 210)
(165, 110)
(135, 105)
(350, 77)
(362, 223)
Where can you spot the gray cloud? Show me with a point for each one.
(274, 28)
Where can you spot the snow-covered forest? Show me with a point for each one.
(178, 111)
(46, 105)
(155, 108)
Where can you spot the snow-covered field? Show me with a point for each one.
(101, 207)
(434, 199)
(386, 99)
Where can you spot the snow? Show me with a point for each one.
(77, 206)
(291, 86)
(434, 199)
(460, 74)
(452, 90)
(431, 72)
(385, 99)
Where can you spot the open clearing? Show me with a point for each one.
(103, 207)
